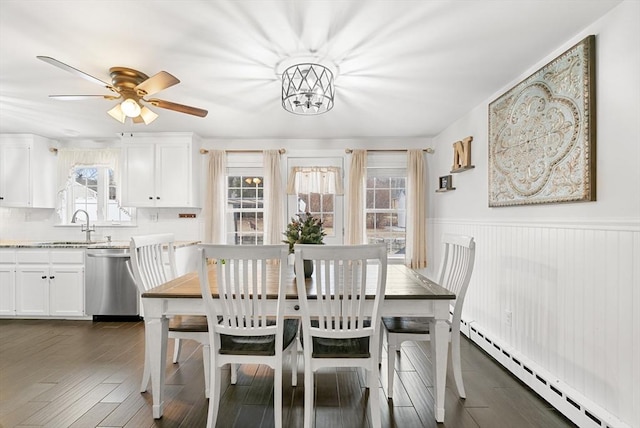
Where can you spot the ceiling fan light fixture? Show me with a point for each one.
(147, 115)
(130, 107)
(117, 113)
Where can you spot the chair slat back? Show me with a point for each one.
(341, 276)
(243, 284)
(152, 260)
(456, 267)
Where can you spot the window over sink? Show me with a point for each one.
(94, 189)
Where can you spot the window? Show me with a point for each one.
(319, 205)
(314, 185)
(385, 209)
(245, 209)
(93, 189)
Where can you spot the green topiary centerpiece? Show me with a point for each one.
(304, 229)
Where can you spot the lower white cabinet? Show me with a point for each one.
(49, 283)
(7, 282)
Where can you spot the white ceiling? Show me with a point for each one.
(406, 68)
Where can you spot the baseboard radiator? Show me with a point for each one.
(565, 399)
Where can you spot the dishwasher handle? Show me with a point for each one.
(113, 256)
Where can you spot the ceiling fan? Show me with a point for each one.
(132, 87)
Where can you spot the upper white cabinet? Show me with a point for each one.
(27, 172)
(160, 170)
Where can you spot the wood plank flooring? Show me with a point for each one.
(87, 374)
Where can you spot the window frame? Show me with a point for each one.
(68, 204)
(389, 166)
(244, 172)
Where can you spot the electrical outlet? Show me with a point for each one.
(508, 317)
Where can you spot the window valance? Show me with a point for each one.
(70, 158)
(323, 180)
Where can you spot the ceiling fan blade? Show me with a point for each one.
(178, 107)
(156, 83)
(77, 72)
(83, 97)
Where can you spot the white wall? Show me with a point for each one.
(570, 273)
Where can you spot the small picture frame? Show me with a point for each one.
(445, 182)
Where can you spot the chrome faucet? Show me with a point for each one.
(85, 227)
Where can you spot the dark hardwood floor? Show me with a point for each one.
(87, 374)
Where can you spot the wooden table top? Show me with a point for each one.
(402, 283)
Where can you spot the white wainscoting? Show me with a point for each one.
(573, 290)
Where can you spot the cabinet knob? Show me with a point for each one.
(51, 277)
(1, 198)
(44, 277)
(150, 197)
(157, 197)
(296, 307)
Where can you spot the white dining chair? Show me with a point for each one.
(456, 266)
(242, 329)
(152, 262)
(343, 329)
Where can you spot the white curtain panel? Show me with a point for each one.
(215, 198)
(416, 250)
(355, 227)
(273, 198)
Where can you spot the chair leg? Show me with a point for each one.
(392, 347)
(177, 345)
(234, 373)
(382, 331)
(308, 396)
(277, 394)
(206, 360)
(146, 373)
(374, 397)
(294, 364)
(214, 402)
(455, 362)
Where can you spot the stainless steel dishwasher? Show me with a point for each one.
(111, 292)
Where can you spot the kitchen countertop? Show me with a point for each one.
(79, 244)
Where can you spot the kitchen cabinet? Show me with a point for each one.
(50, 283)
(160, 170)
(7, 282)
(27, 172)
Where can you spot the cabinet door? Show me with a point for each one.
(139, 175)
(32, 290)
(173, 175)
(15, 175)
(7, 290)
(66, 292)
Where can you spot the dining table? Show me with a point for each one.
(408, 293)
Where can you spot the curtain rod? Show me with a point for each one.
(429, 150)
(205, 151)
